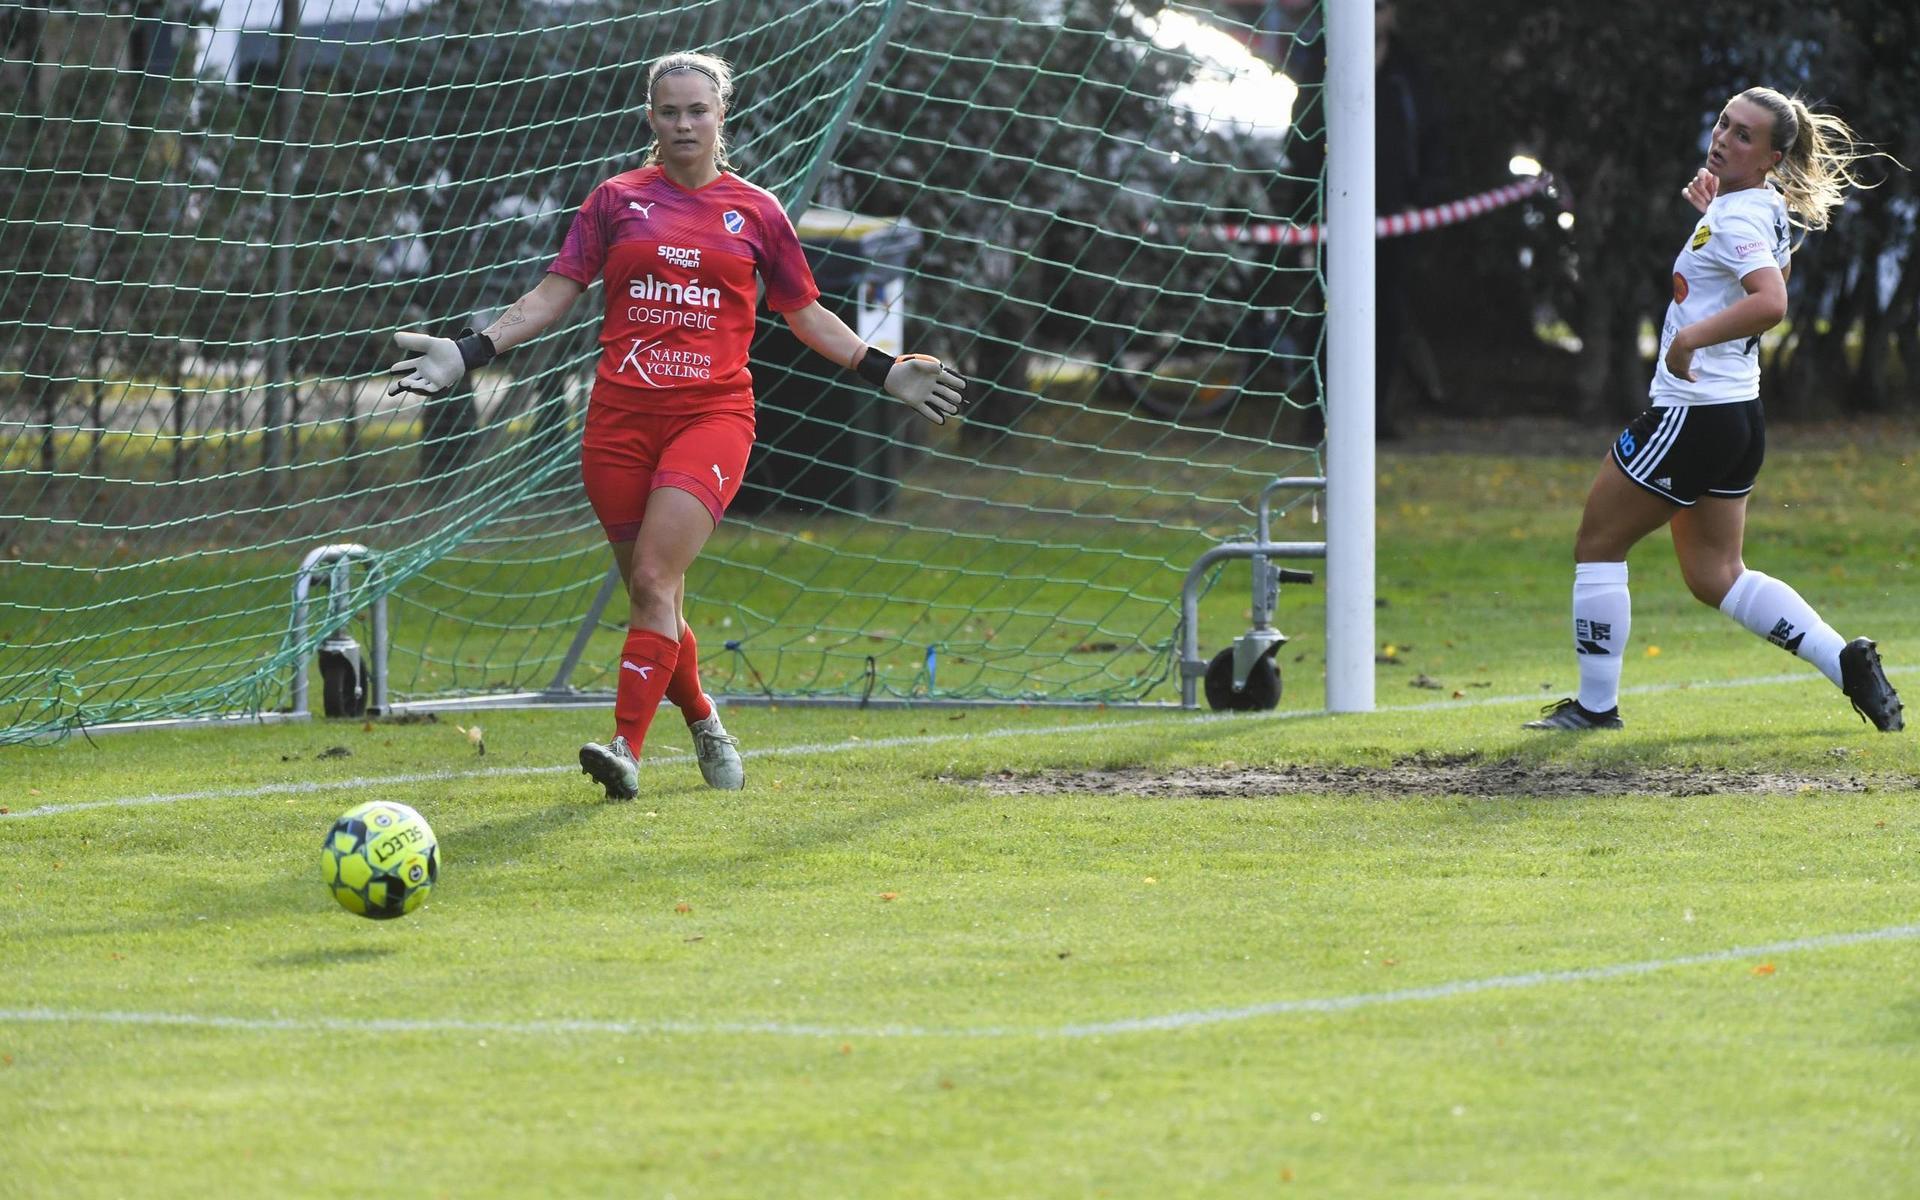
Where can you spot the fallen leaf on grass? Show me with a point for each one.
(889, 895)
(1763, 969)
(1425, 681)
(683, 907)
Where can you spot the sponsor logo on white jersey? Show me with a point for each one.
(645, 210)
(681, 256)
(733, 220)
(688, 295)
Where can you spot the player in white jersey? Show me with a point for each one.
(1691, 458)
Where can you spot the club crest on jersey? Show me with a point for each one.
(733, 220)
(1700, 236)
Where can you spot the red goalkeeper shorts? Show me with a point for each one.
(626, 455)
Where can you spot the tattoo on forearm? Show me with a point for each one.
(513, 316)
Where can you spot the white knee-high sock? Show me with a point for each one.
(1776, 612)
(1602, 618)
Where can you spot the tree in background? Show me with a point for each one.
(1524, 77)
(1033, 223)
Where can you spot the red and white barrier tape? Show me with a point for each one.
(1277, 233)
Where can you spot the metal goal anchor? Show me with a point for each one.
(1244, 676)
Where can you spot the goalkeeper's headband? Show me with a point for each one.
(690, 67)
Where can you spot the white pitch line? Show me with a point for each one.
(1169, 1022)
(1183, 717)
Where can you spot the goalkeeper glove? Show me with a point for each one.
(439, 362)
(919, 381)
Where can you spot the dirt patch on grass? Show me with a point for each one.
(1419, 776)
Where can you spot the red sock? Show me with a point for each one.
(646, 666)
(684, 688)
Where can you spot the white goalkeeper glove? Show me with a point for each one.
(919, 381)
(439, 363)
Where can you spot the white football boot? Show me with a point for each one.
(718, 752)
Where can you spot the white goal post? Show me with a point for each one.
(1350, 346)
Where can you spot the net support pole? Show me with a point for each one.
(830, 140)
(1350, 347)
(277, 397)
(563, 678)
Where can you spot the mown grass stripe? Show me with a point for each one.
(1164, 1023)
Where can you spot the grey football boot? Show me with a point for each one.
(718, 752)
(613, 766)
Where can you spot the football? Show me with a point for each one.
(380, 860)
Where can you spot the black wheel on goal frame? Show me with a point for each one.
(343, 686)
(1261, 693)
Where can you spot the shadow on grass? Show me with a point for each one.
(317, 957)
(507, 839)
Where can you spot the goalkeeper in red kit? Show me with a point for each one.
(679, 243)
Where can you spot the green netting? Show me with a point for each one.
(214, 220)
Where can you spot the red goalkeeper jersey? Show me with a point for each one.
(679, 270)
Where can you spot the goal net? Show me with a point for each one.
(216, 214)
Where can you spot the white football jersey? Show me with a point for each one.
(1738, 234)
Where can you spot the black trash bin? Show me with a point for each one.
(824, 439)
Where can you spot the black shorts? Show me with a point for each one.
(1684, 452)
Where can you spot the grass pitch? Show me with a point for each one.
(1038, 953)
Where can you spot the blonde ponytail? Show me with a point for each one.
(1817, 156)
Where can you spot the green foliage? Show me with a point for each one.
(1033, 232)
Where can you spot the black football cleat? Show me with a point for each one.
(1567, 714)
(1865, 683)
